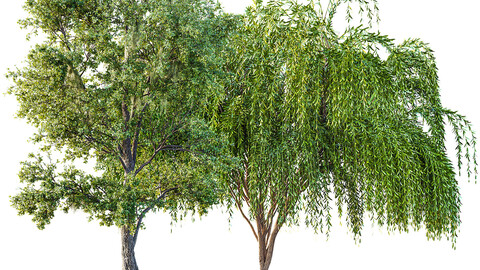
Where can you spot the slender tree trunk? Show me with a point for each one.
(266, 242)
(265, 253)
(128, 250)
(264, 257)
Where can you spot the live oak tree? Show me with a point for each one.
(125, 84)
(318, 117)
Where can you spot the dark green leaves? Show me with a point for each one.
(129, 85)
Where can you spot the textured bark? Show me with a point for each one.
(263, 257)
(128, 247)
(128, 159)
(266, 243)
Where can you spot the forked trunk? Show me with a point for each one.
(266, 242)
(128, 250)
(264, 256)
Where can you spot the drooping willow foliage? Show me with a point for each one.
(319, 117)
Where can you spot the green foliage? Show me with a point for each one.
(127, 84)
(315, 115)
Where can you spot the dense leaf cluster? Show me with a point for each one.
(179, 104)
(127, 84)
(354, 118)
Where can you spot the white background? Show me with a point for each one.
(71, 242)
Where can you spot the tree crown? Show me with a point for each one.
(316, 115)
(128, 84)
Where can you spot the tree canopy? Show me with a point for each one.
(167, 97)
(320, 117)
(126, 84)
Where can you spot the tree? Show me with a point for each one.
(127, 84)
(317, 117)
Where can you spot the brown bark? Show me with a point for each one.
(128, 246)
(266, 243)
(128, 239)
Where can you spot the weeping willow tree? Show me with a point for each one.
(352, 120)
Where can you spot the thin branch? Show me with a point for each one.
(271, 233)
(137, 132)
(125, 113)
(142, 215)
(245, 177)
(161, 148)
(87, 57)
(272, 211)
(237, 202)
(79, 191)
(271, 242)
(326, 10)
(121, 160)
(105, 148)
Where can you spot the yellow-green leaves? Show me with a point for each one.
(318, 116)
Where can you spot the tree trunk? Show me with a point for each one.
(266, 242)
(128, 247)
(264, 256)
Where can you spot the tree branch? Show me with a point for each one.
(161, 148)
(82, 191)
(237, 202)
(142, 214)
(137, 133)
(161, 145)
